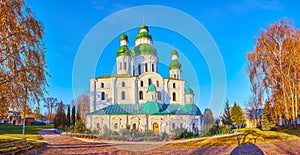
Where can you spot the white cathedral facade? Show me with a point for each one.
(138, 98)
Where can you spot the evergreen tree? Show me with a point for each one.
(60, 117)
(73, 115)
(68, 117)
(226, 116)
(79, 126)
(268, 120)
(237, 115)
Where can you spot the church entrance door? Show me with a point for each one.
(156, 128)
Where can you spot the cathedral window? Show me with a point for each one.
(102, 85)
(139, 69)
(146, 67)
(123, 84)
(142, 84)
(120, 67)
(102, 96)
(159, 95)
(152, 67)
(173, 126)
(149, 81)
(141, 95)
(157, 83)
(123, 95)
(116, 126)
(174, 75)
(174, 96)
(174, 85)
(125, 65)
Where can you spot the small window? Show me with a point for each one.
(116, 126)
(120, 66)
(152, 67)
(142, 84)
(174, 96)
(175, 76)
(173, 126)
(146, 67)
(123, 84)
(98, 126)
(157, 83)
(149, 81)
(102, 85)
(125, 65)
(141, 95)
(102, 96)
(123, 95)
(159, 95)
(174, 85)
(139, 69)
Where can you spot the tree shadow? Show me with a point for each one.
(247, 149)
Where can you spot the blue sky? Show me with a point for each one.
(232, 24)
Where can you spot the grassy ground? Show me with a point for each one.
(247, 136)
(13, 132)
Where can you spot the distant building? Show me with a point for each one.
(16, 119)
(253, 118)
(138, 97)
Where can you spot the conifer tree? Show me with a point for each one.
(68, 117)
(268, 120)
(227, 116)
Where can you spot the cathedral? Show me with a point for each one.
(138, 98)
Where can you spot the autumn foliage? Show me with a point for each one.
(274, 70)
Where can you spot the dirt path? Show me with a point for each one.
(58, 145)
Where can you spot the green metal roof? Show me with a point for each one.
(188, 90)
(150, 107)
(123, 50)
(174, 65)
(115, 75)
(144, 27)
(143, 35)
(190, 108)
(144, 49)
(175, 52)
(151, 87)
(124, 37)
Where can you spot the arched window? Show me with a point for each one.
(159, 95)
(123, 95)
(173, 126)
(149, 81)
(142, 84)
(152, 67)
(123, 84)
(125, 65)
(102, 85)
(174, 96)
(146, 67)
(157, 83)
(102, 96)
(139, 69)
(174, 85)
(174, 75)
(141, 95)
(116, 126)
(120, 66)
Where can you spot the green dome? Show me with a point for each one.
(188, 90)
(174, 65)
(144, 35)
(150, 107)
(151, 87)
(124, 37)
(144, 27)
(175, 52)
(123, 50)
(191, 109)
(144, 49)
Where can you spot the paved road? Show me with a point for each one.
(58, 144)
